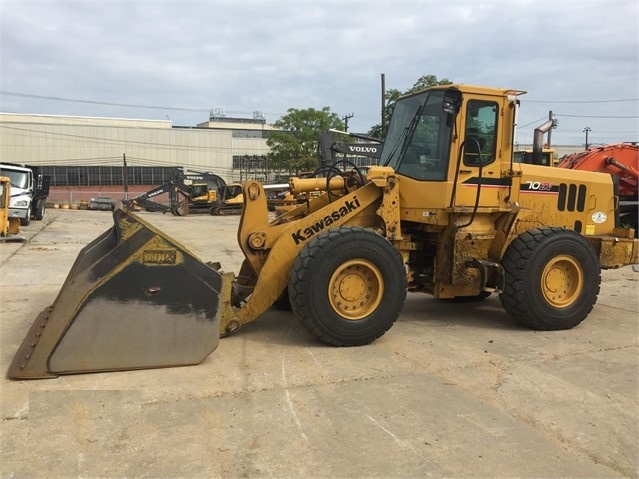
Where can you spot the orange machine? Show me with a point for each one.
(620, 160)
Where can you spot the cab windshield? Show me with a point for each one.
(19, 179)
(418, 140)
(199, 190)
(232, 191)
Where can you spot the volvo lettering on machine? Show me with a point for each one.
(29, 191)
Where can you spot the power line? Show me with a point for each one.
(528, 124)
(122, 105)
(597, 116)
(580, 101)
(132, 161)
(93, 102)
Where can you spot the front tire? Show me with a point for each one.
(27, 219)
(347, 286)
(552, 279)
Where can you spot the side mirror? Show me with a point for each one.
(452, 101)
(389, 109)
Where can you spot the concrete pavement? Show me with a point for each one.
(450, 391)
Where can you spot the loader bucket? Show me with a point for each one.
(133, 299)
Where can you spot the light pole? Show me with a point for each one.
(586, 130)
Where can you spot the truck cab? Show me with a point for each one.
(22, 187)
(28, 192)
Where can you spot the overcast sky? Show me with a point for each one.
(178, 59)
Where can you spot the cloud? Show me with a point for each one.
(274, 55)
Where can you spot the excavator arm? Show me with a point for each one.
(328, 147)
(144, 200)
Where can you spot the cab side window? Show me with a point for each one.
(481, 132)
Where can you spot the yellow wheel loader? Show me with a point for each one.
(9, 226)
(449, 213)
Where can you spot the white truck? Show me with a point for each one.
(29, 191)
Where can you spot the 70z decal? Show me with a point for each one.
(539, 187)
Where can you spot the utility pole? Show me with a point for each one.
(346, 118)
(586, 130)
(125, 177)
(383, 129)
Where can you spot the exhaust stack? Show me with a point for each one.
(538, 141)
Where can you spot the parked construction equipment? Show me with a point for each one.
(9, 226)
(328, 148)
(620, 160)
(191, 192)
(548, 157)
(449, 214)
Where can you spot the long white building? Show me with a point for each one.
(87, 151)
(90, 152)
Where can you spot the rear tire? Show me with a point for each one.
(552, 279)
(39, 213)
(347, 286)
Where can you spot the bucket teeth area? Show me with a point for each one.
(134, 299)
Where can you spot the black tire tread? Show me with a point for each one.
(515, 297)
(40, 209)
(27, 220)
(301, 273)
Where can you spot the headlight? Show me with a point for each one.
(21, 203)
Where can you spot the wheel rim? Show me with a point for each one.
(562, 281)
(356, 289)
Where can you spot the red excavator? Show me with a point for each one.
(621, 160)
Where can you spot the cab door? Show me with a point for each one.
(477, 176)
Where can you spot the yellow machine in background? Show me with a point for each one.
(190, 192)
(232, 202)
(9, 227)
(450, 213)
(548, 157)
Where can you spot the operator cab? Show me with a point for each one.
(419, 136)
(421, 129)
(232, 191)
(198, 190)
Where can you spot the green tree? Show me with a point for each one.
(294, 142)
(391, 96)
